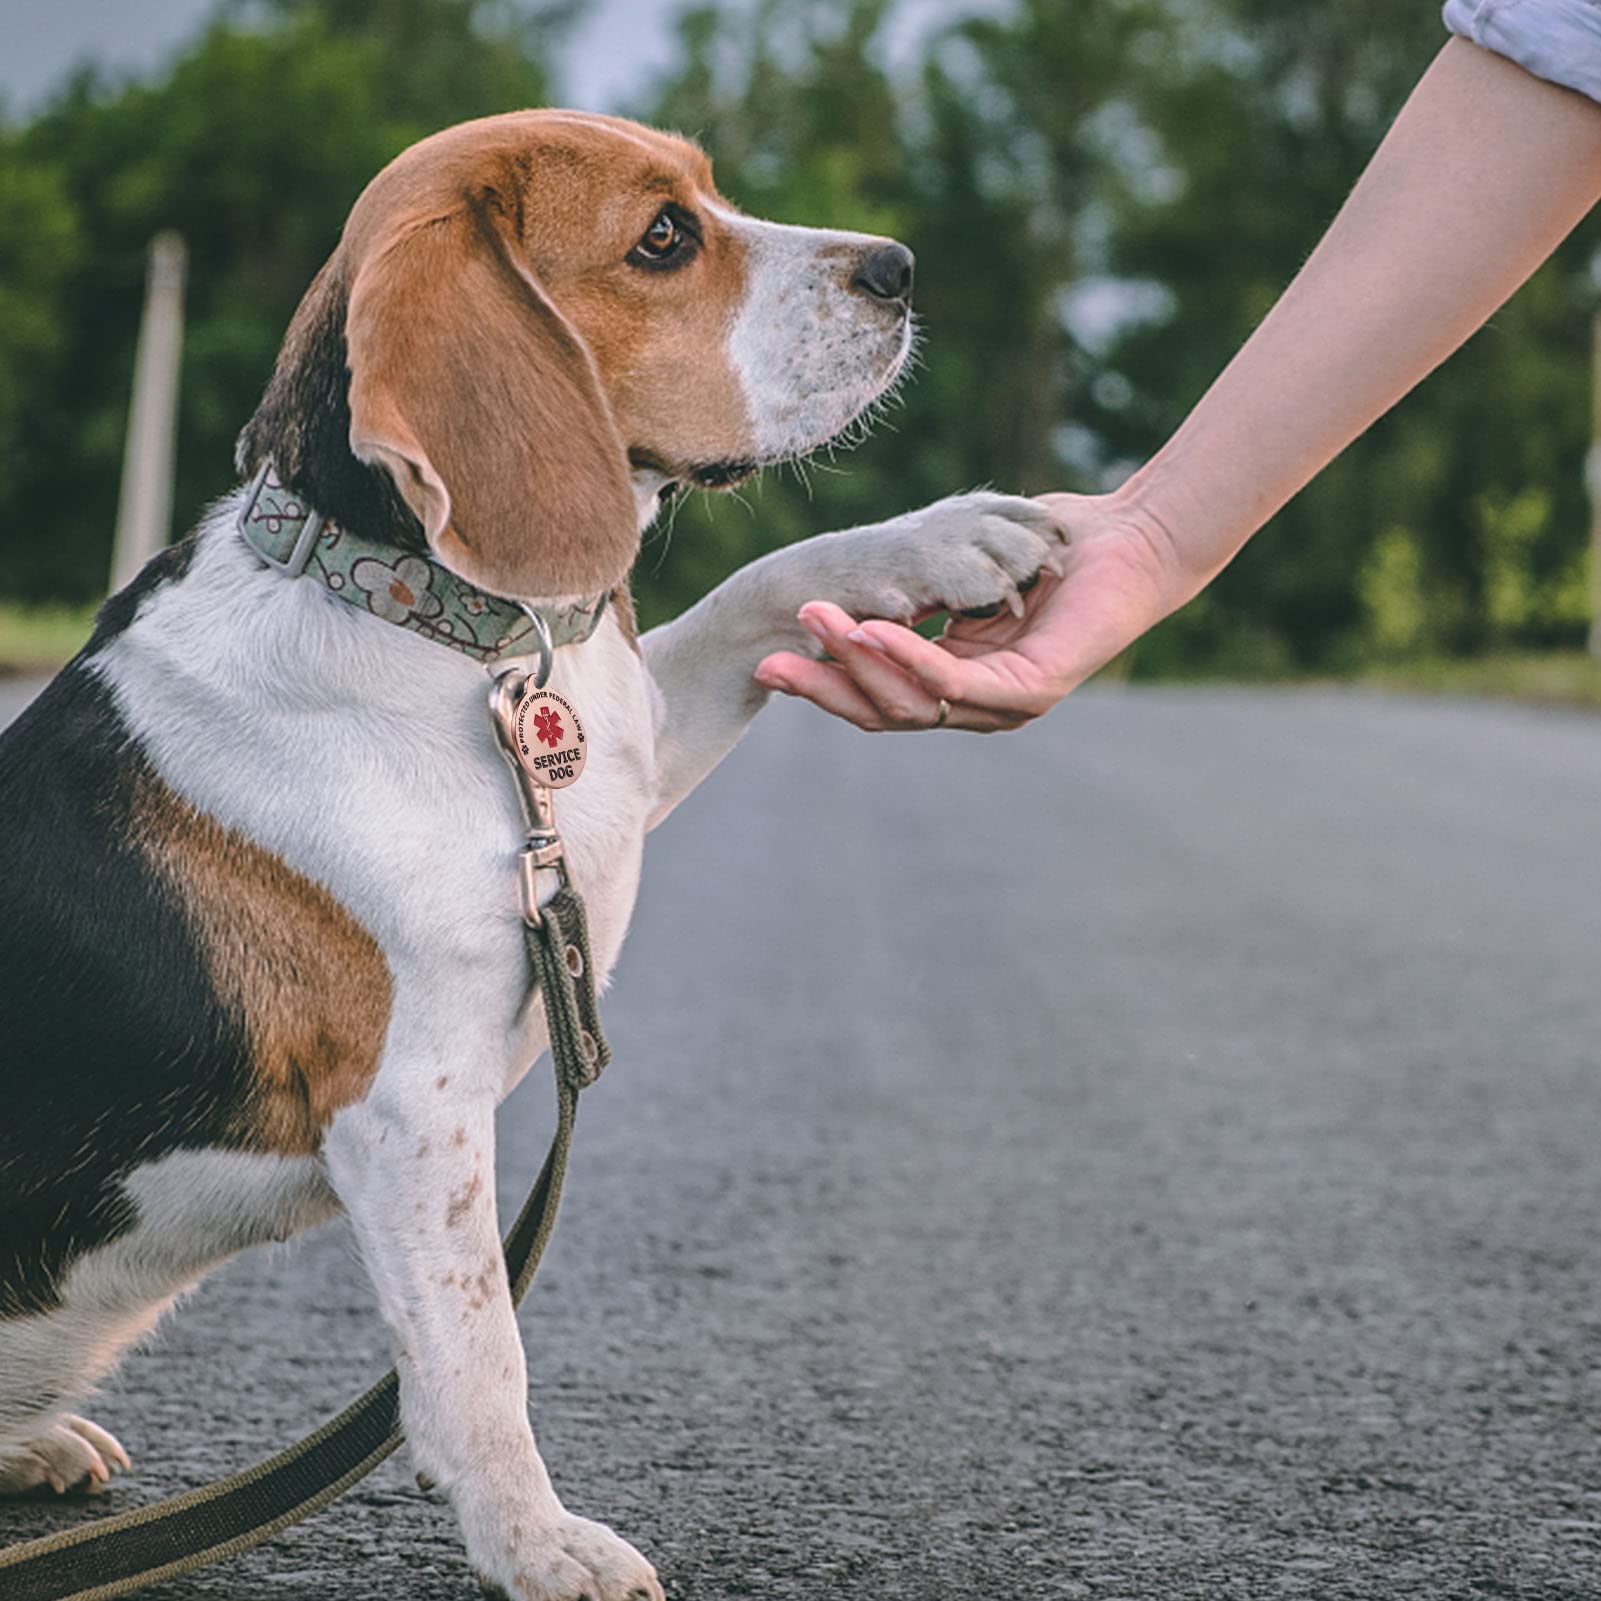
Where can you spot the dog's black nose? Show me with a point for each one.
(885, 272)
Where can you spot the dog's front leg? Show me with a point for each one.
(964, 552)
(414, 1165)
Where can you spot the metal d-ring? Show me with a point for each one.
(547, 649)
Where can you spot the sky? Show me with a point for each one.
(621, 45)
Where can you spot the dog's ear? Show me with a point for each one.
(480, 401)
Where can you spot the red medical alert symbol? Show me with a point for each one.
(550, 739)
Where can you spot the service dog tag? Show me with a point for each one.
(549, 739)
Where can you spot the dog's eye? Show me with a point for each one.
(666, 242)
(661, 238)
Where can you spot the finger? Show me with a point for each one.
(940, 674)
(823, 620)
(982, 720)
(825, 684)
(989, 676)
(901, 700)
(830, 687)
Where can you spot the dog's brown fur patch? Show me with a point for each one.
(307, 981)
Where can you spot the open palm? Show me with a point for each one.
(998, 672)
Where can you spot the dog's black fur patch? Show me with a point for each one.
(302, 426)
(114, 1048)
(119, 610)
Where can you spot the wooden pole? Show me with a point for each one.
(144, 512)
(1593, 474)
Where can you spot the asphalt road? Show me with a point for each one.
(1155, 1156)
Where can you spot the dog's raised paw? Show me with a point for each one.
(973, 554)
(69, 1453)
(574, 1559)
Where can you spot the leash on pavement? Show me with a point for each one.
(116, 1556)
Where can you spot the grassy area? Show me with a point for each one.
(1551, 678)
(40, 640)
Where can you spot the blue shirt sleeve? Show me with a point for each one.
(1559, 40)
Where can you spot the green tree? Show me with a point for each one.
(1265, 113)
(41, 247)
(1166, 164)
(253, 147)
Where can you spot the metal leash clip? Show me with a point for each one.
(542, 737)
(542, 847)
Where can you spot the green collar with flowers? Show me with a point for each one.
(410, 589)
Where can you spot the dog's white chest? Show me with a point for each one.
(363, 757)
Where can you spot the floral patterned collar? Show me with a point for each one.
(412, 590)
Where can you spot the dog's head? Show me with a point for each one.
(535, 323)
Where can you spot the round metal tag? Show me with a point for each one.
(550, 739)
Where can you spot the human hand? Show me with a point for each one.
(1120, 575)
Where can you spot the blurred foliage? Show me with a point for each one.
(1544, 677)
(1104, 196)
(38, 639)
(253, 147)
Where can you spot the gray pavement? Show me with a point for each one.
(1155, 1156)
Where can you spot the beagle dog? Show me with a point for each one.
(261, 957)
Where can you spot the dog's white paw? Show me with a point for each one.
(572, 1559)
(968, 553)
(70, 1453)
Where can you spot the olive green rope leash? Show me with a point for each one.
(116, 1556)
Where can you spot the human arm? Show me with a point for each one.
(1485, 171)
